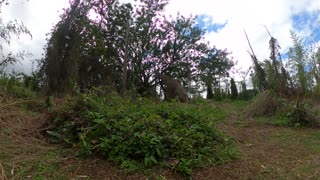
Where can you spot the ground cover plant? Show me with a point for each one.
(142, 133)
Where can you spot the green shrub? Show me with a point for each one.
(248, 94)
(302, 115)
(142, 133)
(282, 112)
(13, 87)
(21, 92)
(198, 100)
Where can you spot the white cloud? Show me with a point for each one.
(39, 16)
(251, 15)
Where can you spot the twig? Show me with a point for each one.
(15, 103)
(3, 174)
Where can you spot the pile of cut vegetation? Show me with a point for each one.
(18, 146)
(266, 103)
(140, 134)
(20, 150)
(281, 111)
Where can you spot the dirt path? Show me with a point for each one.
(268, 152)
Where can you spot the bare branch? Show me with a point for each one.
(249, 45)
(268, 30)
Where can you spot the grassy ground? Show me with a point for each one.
(266, 151)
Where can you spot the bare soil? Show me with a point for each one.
(268, 152)
(265, 152)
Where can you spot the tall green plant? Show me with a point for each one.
(299, 64)
(259, 75)
(276, 76)
(60, 64)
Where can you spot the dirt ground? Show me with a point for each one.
(265, 152)
(268, 152)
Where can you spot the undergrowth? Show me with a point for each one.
(141, 134)
(279, 111)
(15, 88)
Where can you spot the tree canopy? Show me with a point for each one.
(123, 46)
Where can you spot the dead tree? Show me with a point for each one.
(172, 88)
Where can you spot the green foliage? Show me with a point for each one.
(302, 115)
(15, 87)
(209, 108)
(259, 75)
(280, 119)
(248, 94)
(124, 46)
(277, 76)
(234, 90)
(199, 100)
(282, 112)
(316, 93)
(299, 63)
(59, 66)
(44, 169)
(143, 133)
(213, 66)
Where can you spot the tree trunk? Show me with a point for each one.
(125, 63)
(209, 91)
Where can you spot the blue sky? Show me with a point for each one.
(224, 21)
(309, 23)
(301, 22)
(207, 23)
(305, 23)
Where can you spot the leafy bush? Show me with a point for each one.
(13, 87)
(300, 115)
(248, 94)
(142, 133)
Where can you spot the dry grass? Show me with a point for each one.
(18, 145)
(3, 174)
(266, 152)
(266, 103)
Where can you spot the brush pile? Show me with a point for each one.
(291, 112)
(18, 144)
(266, 103)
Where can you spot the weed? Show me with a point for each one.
(144, 133)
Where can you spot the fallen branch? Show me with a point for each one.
(2, 174)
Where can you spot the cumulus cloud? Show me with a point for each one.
(225, 21)
(252, 15)
(39, 16)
